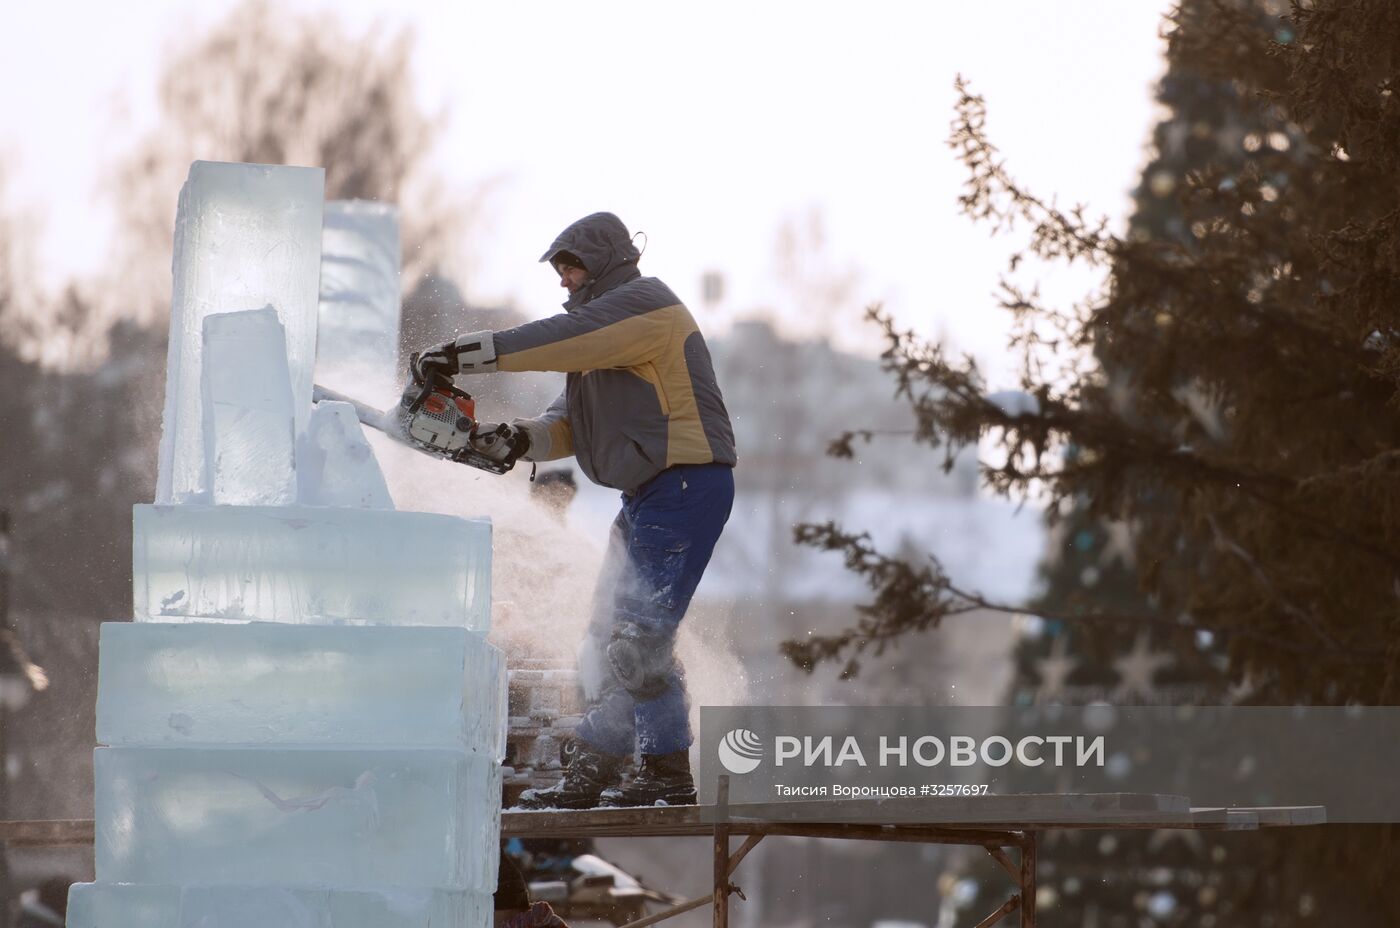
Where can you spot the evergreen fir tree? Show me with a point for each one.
(1230, 398)
(1090, 566)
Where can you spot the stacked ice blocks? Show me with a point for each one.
(311, 564)
(235, 907)
(304, 726)
(180, 684)
(320, 772)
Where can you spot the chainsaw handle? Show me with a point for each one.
(433, 374)
(517, 442)
(432, 380)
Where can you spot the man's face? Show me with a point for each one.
(571, 278)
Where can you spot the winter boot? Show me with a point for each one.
(585, 778)
(663, 780)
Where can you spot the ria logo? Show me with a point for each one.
(740, 751)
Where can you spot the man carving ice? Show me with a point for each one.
(642, 413)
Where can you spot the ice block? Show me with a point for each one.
(335, 464)
(262, 683)
(311, 565)
(124, 905)
(246, 236)
(358, 334)
(129, 905)
(249, 423)
(320, 816)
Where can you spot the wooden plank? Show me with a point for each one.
(1289, 816)
(1013, 812)
(563, 827)
(749, 844)
(690, 906)
(1006, 909)
(721, 855)
(1224, 819)
(1027, 881)
(721, 876)
(1147, 809)
(47, 833)
(679, 821)
(655, 819)
(698, 901)
(1001, 857)
(899, 834)
(1209, 817)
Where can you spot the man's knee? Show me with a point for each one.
(642, 661)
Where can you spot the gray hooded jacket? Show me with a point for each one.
(641, 394)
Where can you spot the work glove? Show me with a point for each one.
(537, 435)
(500, 442)
(473, 353)
(428, 366)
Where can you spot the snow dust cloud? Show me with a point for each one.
(544, 573)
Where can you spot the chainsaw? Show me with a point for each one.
(436, 417)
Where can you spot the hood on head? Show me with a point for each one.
(599, 240)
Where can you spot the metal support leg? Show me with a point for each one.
(1024, 875)
(721, 876)
(1006, 909)
(749, 844)
(1028, 857)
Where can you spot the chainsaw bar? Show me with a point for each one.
(393, 424)
(377, 419)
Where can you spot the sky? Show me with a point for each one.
(706, 126)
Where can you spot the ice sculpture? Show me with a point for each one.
(301, 816)
(358, 344)
(304, 726)
(103, 905)
(335, 465)
(263, 683)
(311, 564)
(246, 236)
(249, 419)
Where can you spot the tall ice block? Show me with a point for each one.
(311, 565)
(265, 684)
(246, 236)
(249, 419)
(99, 905)
(317, 816)
(360, 303)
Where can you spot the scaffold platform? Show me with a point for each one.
(1007, 827)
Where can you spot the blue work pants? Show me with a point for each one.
(659, 546)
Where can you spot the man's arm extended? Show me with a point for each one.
(551, 435)
(603, 334)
